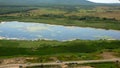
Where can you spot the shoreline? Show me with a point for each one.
(59, 25)
(63, 22)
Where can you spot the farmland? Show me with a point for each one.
(97, 17)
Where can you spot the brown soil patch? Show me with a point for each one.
(84, 67)
(13, 67)
(12, 60)
(64, 66)
(19, 60)
(108, 55)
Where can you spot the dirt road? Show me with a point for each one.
(54, 63)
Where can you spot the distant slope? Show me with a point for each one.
(45, 2)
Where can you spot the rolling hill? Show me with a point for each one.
(45, 2)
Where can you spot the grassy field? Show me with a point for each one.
(97, 17)
(10, 10)
(69, 50)
(105, 65)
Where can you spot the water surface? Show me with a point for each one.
(34, 31)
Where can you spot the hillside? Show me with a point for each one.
(45, 2)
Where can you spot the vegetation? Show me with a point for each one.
(68, 50)
(98, 17)
(104, 65)
(9, 10)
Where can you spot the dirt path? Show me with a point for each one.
(84, 67)
(78, 62)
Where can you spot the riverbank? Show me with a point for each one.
(115, 25)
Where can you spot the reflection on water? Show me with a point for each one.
(34, 31)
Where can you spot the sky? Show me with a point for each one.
(105, 1)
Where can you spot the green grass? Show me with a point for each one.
(15, 9)
(69, 50)
(67, 22)
(104, 65)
